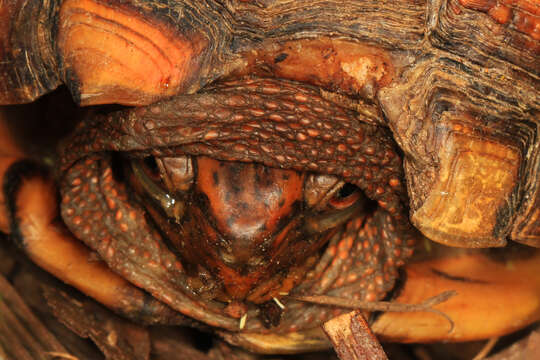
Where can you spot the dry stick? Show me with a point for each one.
(487, 348)
(3, 354)
(12, 343)
(386, 306)
(21, 333)
(352, 338)
(60, 355)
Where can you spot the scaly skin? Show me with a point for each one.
(281, 124)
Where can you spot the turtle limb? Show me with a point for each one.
(29, 213)
(493, 298)
(486, 305)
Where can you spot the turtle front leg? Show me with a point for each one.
(29, 214)
(494, 297)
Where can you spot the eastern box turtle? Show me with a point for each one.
(265, 151)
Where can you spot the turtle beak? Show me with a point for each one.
(245, 230)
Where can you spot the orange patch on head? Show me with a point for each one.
(248, 200)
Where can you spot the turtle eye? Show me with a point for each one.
(150, 167)
(333, 202)
(149, 179)
(161, 183)
(347, 195)
(151, 164)
(326, 192)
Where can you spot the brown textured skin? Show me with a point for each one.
(285, 128)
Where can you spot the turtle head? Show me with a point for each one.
(250, 230)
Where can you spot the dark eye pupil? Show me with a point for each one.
(347, 190)
(151, 164)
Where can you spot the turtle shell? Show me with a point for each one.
(456, 81)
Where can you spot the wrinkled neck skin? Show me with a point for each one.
(248, 223)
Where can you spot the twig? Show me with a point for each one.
(22, 335)
(421, 353)
(486, 349)
(352, 338)
(386, 306)
(61, 355)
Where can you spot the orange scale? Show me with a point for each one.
(335, 261)
(352, 277)
(301, 136)
(370, 296)
(332, 250)
(301, 97)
